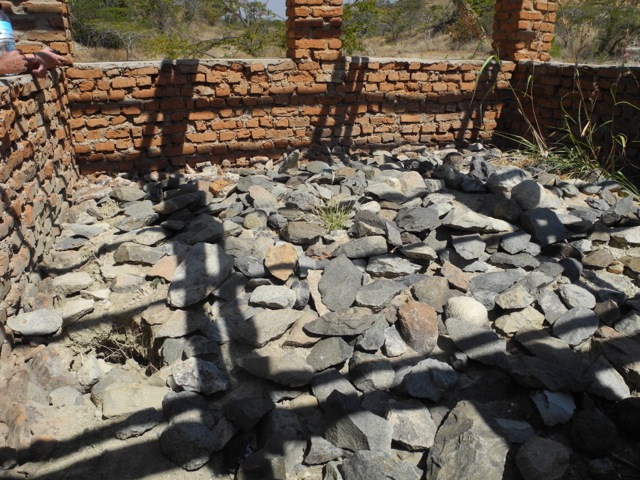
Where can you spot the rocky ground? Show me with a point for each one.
(406, 315)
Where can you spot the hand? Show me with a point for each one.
(13, 63)
(51, 58)
(36, 66)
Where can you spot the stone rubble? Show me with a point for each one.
(463, 319)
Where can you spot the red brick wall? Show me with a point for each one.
(35, 174)
(606, 96)
(39, 23)
(523, 29)
(141, 116)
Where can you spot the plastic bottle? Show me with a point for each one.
(7, 41)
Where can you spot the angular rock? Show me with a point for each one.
(264, 326)
(363, 247)
(478, 342)
(351, 427)
(418, 326)
(206, 268)
(273, 296)
(544, 226)
(340, 283)
(122, 399)
(467, 445)
(430, 379)
(576, 325)
(542, 459)
(280, 261)
(413, 427)
(329, 352)
(38, 322)
(197, 375)
(288, 369)
(372, 465)
(554, 407)
(353, 321)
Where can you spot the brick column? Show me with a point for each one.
(40, 23)
(313, 29)
(523, 29)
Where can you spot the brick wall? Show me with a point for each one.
(36, 171)
(40, 23)
(150, 115)
(523, 29)
(606, 96)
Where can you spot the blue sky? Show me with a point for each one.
(278, 6)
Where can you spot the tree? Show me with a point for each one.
(360, 19)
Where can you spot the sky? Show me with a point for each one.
(277, 6)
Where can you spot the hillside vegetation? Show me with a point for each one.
(586, 30)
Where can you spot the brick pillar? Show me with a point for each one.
(523, 29)
(40, 23)
(313, 29)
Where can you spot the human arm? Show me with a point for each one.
(13, 63)
(51, 58)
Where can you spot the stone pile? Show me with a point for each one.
(406, 315)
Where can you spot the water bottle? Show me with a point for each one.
(7, 41)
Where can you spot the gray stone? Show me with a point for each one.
(419, 251)
(264, 326)
(463, 218)
(73, 282)
(544, 226)
(287, 369)
(468, 445)
(372, 465)
(37, 322)
(251, 266)
(374, 337)
(554, 407)
(479, 343)
(551, 305)
(340, 283)
(391, 266)
(302, 233)
(496, 282)
(138, 424)
(430, 379)
(576, 296)
(576, 325)
(255, 220)
(363, 247)
(328, 381)
(188, 444)
(198, 375)
(515, 242)
(129, 193)
(133, 253)
(525, 319)
(120, 399)
(542, 459)
(206, 268)
(351, 427)
(593, 433)
(418, 220)
(505, 178)
(519, 260)
(329, 352)
(394, 345)
(75, 309)
(514, 298)
(321, 451)
(371, 373)
(606, 382)
(273, 296)
(469, 247)
(352, 321)
(433, 291)
(413, 427)
(377, 294)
